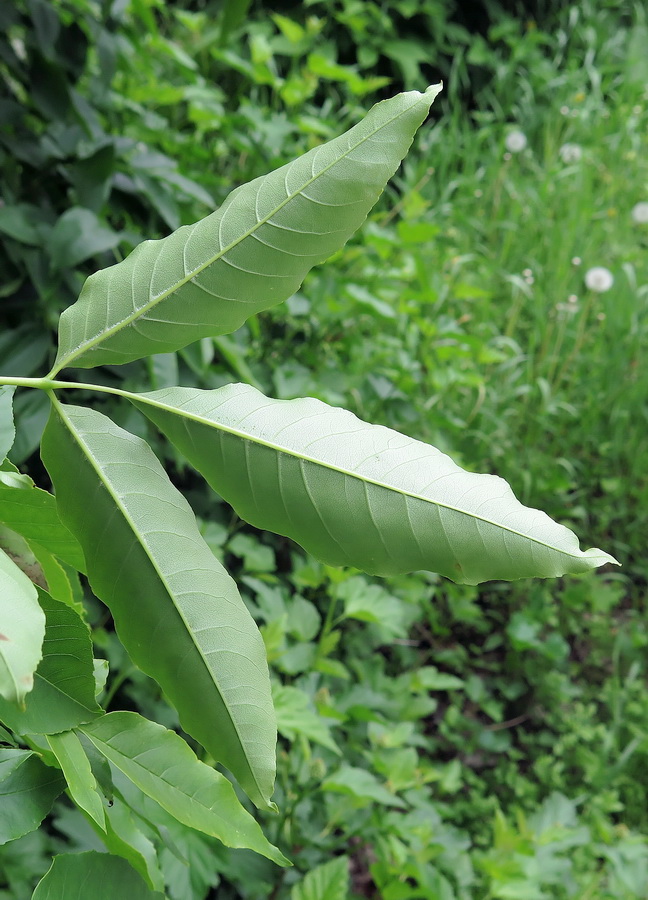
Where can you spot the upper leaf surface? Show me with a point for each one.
(77, 876)
(357, 494)
(254, 252)
(163, 766)
(176, 610)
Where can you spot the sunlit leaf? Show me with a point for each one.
(357, 494)
(76, 768)
(254, 252)
(22, 629)
(163, 766)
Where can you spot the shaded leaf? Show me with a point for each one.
(64, 684)
(191, 631)
(208, 278)
(357, 494)
(163, 766)
(32, 513)
(72, 874)
(123, 838)
(26, 797)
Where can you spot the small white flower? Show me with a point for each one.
(564, 110)
(572, 298)
(570, 153)
(599, 279)
(527, 273)
(479, 193)
(576, 260)
(640, 213)
(515, 141)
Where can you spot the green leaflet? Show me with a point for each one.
(329, 881)
(22, 629)
(76, 767)
(357, 494)
(176, 610)
(64, 683)
(163, 766)
(32, 513)
(79, 876)
(206, 279)
(26, 796)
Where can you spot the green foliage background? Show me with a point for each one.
(449, 741)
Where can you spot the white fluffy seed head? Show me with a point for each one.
(599, 279)
(640, 213)
(515, 141)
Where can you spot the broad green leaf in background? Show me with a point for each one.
(22, 629)
(357, 494)
(64, 683)
(26, 796)
(295, 716)
(163, 766)
(100, 876)
(76, 768)
(32, 513)
(7, 430)
(363, 786)
(329, 881)
(176, 610)
(254, 252)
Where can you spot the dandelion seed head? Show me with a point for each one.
(572, 299)
(515, 141)
(601, 317)
(576, 260)
(599, 279)
(527, 272)
(507, 156)
(640, 213)
(564, 110)
(570, 153)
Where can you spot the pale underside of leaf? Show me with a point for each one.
(207, 278)
(357, 494)
(22, 629)
(176, 610)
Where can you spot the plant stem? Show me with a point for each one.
(50, 384)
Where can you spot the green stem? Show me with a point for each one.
(51, 384)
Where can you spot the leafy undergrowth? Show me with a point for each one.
(436, 741)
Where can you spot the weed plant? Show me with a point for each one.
(509, 760)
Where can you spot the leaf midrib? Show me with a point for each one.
(212, 676)
(90, 343)
(243, 435)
